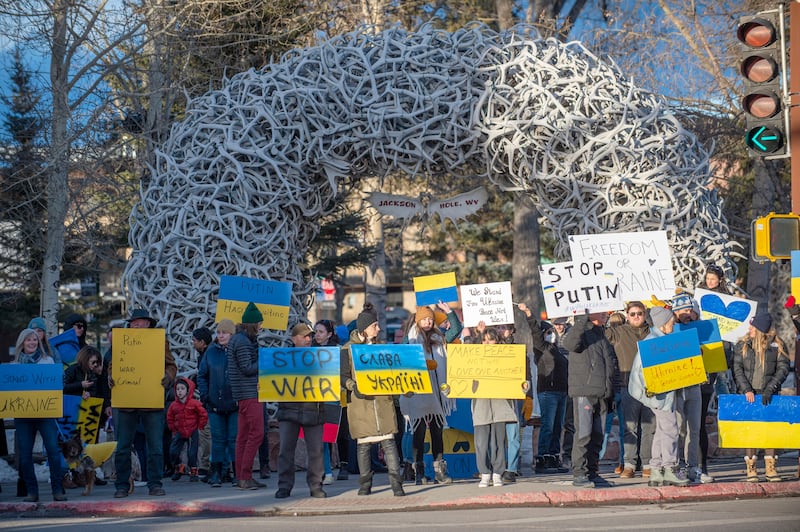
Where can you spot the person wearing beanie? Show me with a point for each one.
(40, 326)
(371, 418)
(78, 324)
(428, 411)
(664, 470)
(243, 375)
(760, 365)
(216, 394)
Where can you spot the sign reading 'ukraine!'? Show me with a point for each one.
(744, 425)
(273, 299)
(431, 289)
(298, 374)
(390, 369)
(710, 343)
(672, 361)
(31, 390)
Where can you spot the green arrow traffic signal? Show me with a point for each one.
(764, 139)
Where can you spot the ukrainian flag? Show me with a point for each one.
(430, 289)
(710, 343)
(744, 425)
(672, 361)
(273, 299)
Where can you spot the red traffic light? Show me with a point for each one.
(761, 105)
(759, 69)
(756, 33)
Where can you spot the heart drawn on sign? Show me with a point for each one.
(459, 387)
(651, 261)
(737, 310)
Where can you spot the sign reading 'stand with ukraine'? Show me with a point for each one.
(273, 299)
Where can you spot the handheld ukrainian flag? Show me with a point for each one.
(744, 425)
(430, 289)
(273, 299)
(672, 361)
(710, 343)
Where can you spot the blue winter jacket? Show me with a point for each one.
(213, 381)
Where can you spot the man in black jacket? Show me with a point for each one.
(592, 365)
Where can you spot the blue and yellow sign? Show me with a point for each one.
(430, 289)
(298, 374)
(672, 361)
(81, 416)
(744, 425)
(273, 299)
(31, 390)
(390, 369)
(710, 343)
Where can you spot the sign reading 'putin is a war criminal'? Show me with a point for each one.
(574, 287)
(641, 261)
(390, 369)
(672, 361)
(298, 374)
(31, 390)
(137, 368)
(273, 299)
(486, 371)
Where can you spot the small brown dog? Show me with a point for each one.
(81, 466)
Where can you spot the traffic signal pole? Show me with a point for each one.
(794, 109)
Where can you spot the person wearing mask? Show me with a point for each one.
(371, 418)
(760, 365)
(243, 373)
(664, 469)
(28, 350)
(216, 394)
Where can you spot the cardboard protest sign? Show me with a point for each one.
(31, 390)
(390, 369)
(487, 302)
(573, 287)
(81, 416)
(710, 343)
(642, 261)
(672, 361)
(273, 299)
(298, 374)
(487, 371)
(733, 314)
(137, 368)
(744, 425)
(430, 289)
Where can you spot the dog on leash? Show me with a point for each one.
(80, 464)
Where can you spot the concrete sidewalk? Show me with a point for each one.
(185, 498)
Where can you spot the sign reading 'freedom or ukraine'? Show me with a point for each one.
(430, 289)
(298, 374)
(31, 390)
(390, 369)
(744, 425)
(273, 299)
(710, 343)
(672, 361)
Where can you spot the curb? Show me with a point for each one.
(583, 497)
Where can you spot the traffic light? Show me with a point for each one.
(763, 66)
(774, 237)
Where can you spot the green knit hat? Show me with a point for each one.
(252, 314)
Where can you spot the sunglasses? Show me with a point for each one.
(80, 325)
(635, 313)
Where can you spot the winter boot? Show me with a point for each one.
(674, 476)
(193, 475)
(215, 476)
(772, 471)
(234, 480)
(343, 475)
(541, 465)
(392, 458)
(364, 469)
(180, 470)
(419, 474)
(752, 471)
(440, 470)
(656, 477)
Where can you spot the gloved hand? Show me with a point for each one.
(431, 364)
(766, 397)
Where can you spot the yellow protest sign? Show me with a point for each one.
(137, 367)
(486, 371)
(31, 390)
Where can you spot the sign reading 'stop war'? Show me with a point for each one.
(642, 261)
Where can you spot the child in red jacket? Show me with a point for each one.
(186, 417)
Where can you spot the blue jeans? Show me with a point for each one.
(125, 422)
(223, 436)
(610, 423)
(176, 447)
(26, 434)
(553, 405)
(514, 442)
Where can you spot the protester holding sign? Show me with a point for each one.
(760, 365)
(664, 469)
(87, 378)
(371, 418)
(29, 351)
